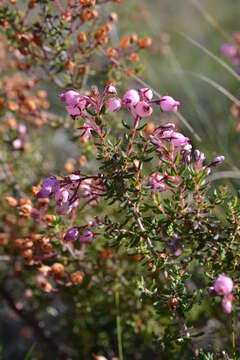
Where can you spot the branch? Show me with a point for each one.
(141, 227)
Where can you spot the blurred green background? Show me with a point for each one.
(180, 70)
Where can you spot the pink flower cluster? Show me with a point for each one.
(232, 52)
(140, 100)
(223, 286)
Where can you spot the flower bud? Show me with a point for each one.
(226, 305)
(17, 144)
(167, 126)
(167, 103)
(143, 109)
(223, 285)
(111, 90)
(131, 98)
(217, 160)
(77, 277)
(57, 269)
(72, 234)
(114, 104)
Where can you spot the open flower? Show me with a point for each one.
(223, 285)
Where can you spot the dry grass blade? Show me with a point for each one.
(211, 20)
(217, 86)
(210, 54)
(224, 175)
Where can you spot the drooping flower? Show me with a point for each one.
(69, 97)
(114, 104)
(145, 94)
(156, 182)
(72, 234)
(62, 195)
(111, 90)
(176, 138)
(49, 186)
(131, 98)
(167, 103)
(143, 109)
(223, 285)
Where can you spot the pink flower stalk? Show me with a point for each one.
(114, 104)
(143, 109)
(72, 234)
(131, 98)
(227, 304)
(86, 237)
(145, 94)
(156, 182)
(223, 285)
(167, 103)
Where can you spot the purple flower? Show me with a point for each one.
(72, 234)
(131, 98)
(167, 103)
(156, 182)
(223, 285)
(86, 237)
(143, 109)
(114, 104)
(217, 160)
(49, 185)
